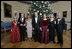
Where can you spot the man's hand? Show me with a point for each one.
(40, 28)
(11, 29)
(32, 28)
(21, 24)
(24, 25)
(47, 29)
(64, 30)
(18, 22)
(55, 22)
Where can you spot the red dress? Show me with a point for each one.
(15, 35)
(44, 34)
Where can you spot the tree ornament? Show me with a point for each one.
(40, 13)
(46, 10)
(43, 6)
(42, 2)
(43, 10)
(34, 9)
(34, 3)
(40, 6)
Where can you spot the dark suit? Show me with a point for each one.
(60, 27)
(36, 26)
(22, 28)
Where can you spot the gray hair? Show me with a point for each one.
(59, 15)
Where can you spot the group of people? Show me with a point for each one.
(43, 30)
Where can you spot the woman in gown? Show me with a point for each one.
(45, 29)
(29, 27)
(15, 35)
(52, 23)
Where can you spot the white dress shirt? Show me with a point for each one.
(22, 19)
(58, 20)
(36, 18)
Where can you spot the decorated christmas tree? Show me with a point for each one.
(41, 7)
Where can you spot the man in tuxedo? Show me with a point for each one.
(60, 27)
(22, 28)
(36, 24)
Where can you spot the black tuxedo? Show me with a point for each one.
(36, 26)
(22, 28)
(60, 27)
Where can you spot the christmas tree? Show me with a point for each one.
(41, 7)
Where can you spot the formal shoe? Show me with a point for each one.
(61, 45)
(51, 41)
(20, 40)
(57, 42)
(39, 41)
(54, 42)
(23, 39)
(34, 40)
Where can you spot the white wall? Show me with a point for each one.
(61, 6)
(16, 6)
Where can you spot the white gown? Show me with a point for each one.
(29, 29)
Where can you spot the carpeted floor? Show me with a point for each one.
(26, 44)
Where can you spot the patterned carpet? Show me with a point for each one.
(31, 44)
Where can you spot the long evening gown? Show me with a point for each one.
(52, 30)
(29, 29)
(45, 35)
(15, 35)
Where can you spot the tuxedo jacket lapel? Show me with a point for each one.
(34, 20)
